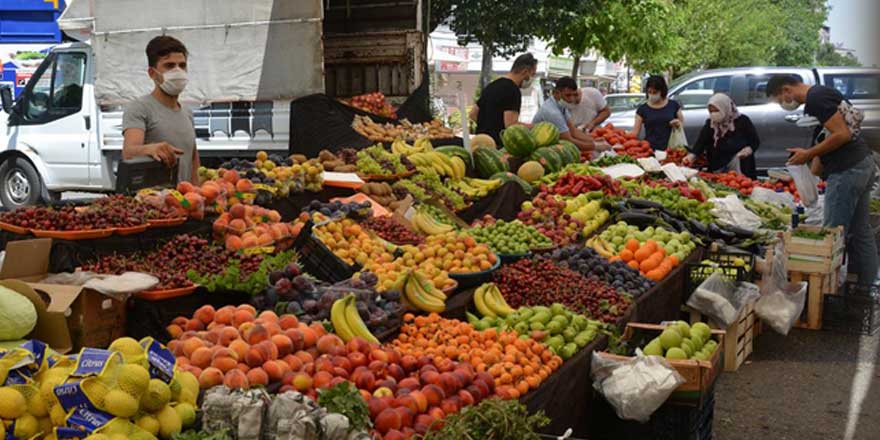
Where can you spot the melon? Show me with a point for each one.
(545, 133)
(507, 176)
(489, 161)
(482, 140)
(572, 149)
(548, 158)
(18, 316)
(530, 171)
(518, 141)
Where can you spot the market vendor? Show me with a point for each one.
(156, 125)
(846, 165)
(728, 139)
(554, 111)
(500, 102)
(589, 109)
(659, 114)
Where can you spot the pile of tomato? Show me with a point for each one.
(631, 145)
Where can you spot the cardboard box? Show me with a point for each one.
(70, 317)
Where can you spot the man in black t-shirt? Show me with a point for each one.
(845, 161)
(499, 103)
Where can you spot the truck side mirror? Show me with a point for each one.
(6, 98)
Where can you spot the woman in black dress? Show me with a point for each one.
(728, 139)
(659, 115)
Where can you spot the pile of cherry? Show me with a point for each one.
(108, 212)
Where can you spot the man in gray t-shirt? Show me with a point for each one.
(156, 125)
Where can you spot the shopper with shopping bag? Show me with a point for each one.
(846, 165)
(728, 139)
(660, 115)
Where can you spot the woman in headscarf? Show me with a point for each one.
(728, 138)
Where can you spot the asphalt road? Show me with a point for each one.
(809, 385)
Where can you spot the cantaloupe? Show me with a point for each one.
(530, 171)
(482, 140)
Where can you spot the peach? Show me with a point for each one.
(185, 187)
(224, 315)
(421, 401)
(293, 362)
(255, 357)
(242, 316)
(243, 367)
(233, 243)
(438, 414)
(379, 355)
(302, 382)
(256, 334)
(450, 384)
(429, 376)
(174, 330)
(288, 322)
(276, 370)
(269, 349)
(210, 377)
(365, 381)
(410, 383)
(296, 338)
(357, 359)
(450, 406)
(224, 364)
(475, 392)
(212, 336)
(194, 325)
(237, 212)
(358, 344)
(310, 338)
(394, 434)
(230, 176)
(395, 371)
(387, 420)
(279, 231)
(205, 314)
(176, 347)
(376, 405)
(272, 328)
(338, 380)
(236, 226)
(326, 343)
(201, 357)
(433, 394)
(274, 216)
(407, 401)
(210, 191)
(383, 392)
(466, 398)
(265, 239)
(409, 363)
(196, 371)
(190, 345)
(324, 363)
(406, 415)
(305, 357)
(318, 328)
(236, 379)
(239, 347)
(244, 185)
(257, 376)
(249, 240)
(227, 335)
(322, 379)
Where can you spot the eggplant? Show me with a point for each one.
(740, 232)
(635, 218)
(640, 203)
(716, 232)
(698, 227)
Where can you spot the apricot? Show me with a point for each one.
(257, 376)
(236, 379)
(210, 377)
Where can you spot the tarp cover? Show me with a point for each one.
(239, 49)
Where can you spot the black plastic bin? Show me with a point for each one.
(855, 310)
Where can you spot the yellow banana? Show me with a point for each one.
(427, 288)
(338, 318)
(480, 302)
(355, 324)
(497, 302)
(416, 298)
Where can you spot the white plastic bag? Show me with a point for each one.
(731, 211)
(635, 387)
(783, 199)
(805, 182)
(781, 302)
(713, 297)
(677, 138)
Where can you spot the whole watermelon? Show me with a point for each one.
(545, 133)
(518, 141)
(548, 158)
(489, 161)
(507, 176)
(572, 149)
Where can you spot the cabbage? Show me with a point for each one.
(18, 316)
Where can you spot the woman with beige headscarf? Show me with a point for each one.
(728, 138)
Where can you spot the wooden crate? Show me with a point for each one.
(699, 376)
(818, 285)
(816, 256)
(739, 338)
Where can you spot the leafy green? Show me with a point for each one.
(232, 278)
(192, 434)
(810, 235)
(491, 419)
(346, 400)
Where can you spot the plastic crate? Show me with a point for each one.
(318, 260)
(856, 310)
(699, 272)
(726, 259)
(669, 422)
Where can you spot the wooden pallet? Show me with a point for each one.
(818, 285)
(739, 343)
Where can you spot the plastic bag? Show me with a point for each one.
(677, 138)
(734, 165)
(635, 387)
(713, 297)
(783, 199)
(805, 182)
(731, 211)
(781, 302)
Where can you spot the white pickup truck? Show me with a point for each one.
(248, 59)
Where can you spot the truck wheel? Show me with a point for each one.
(21, 185)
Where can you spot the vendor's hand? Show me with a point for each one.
(799, 156)
(164, 152)
(745, 152)
(689, 159)
(675, 123)
(601, 146)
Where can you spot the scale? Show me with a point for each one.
(143, 172)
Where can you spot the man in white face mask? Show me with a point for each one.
(156, 125)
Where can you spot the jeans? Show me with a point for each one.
(848, 204)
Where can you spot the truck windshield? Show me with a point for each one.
(57, 91)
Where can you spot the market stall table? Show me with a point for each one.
(664, 301)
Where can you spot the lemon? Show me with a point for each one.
(133, 379)
(158, 395)
(148, 423)
(57, 415)
(12, 404)
(169, 422)
(120, 404)
(26, 426)
(187, 414)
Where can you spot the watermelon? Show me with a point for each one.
(548, 158)
(455, 150)
(563, 154)
(507, 176)
(488, 161)
(572, 149)
(518, 141)
(545, 133)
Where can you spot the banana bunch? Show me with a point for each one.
(419, 293)
(601, 247)
(490, 303)
(400, 146)
(441, 163)
(347, 322)
(426, 224)
(475, 188)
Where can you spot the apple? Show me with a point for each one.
(383, 392)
